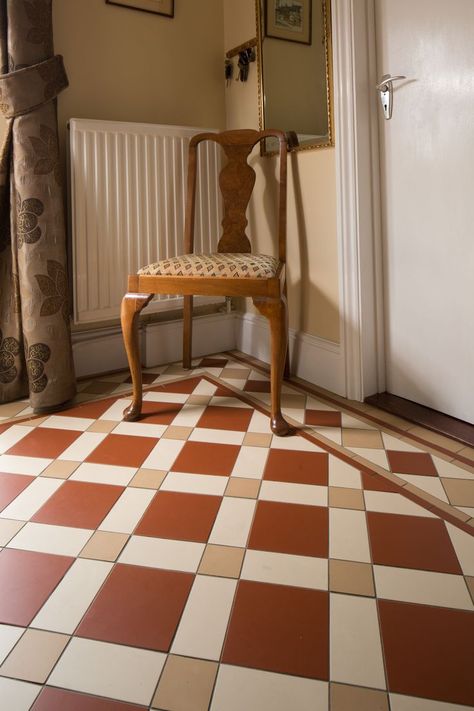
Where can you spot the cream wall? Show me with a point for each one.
(312, 244)
(134, 66)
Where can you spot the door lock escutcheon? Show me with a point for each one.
(385, 87)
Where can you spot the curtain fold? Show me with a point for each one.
(35, 343)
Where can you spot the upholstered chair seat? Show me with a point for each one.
(226, 265)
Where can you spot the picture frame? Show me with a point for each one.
(155, 7)
(288, 20)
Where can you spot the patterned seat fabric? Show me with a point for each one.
(227, 264)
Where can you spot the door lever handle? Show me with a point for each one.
(386, 93)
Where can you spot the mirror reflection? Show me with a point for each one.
(294, 60)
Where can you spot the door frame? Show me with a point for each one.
(358, 192)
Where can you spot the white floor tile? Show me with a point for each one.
(238, 688)
(31, 466)
(250, 462)
(139, 429)
(376, 456)
(104, 474)
(205, 434)
(164, 455)
(110, 670)
(294, 493)
(152, 396)
(195, 483)
(348, 537)
(410, 703)
(188, 416)
(355, 423)
(343, 474)
(125, 514)
(233, 522)
(9, 636)
(284, 569)
(60, 422)
(229, 401)
(388, 502)
(205, 388)
(8, 529)
(31, 499)
(44, 538)
(355, 646)
(83, 446)
(315, 404)
(396, 445)
(431, 484)
(422, 586)
(115, 411)
(66, 606)
(12, 436)
(163, 553)
(235, 383)
(450, 470)
(295, 442)
(469, 510)
(331, 433)
(17, 695)
(203, 624)
(259, 423)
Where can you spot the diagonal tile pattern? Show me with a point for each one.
(191, 561)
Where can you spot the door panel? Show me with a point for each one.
(427, 174)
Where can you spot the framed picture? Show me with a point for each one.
(288, 20)
(157, 7)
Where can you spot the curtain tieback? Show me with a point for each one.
(27, 89)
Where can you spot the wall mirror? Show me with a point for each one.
(295, 70)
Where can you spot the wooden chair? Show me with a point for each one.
(232, 271)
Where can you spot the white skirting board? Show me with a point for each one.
(314, 359)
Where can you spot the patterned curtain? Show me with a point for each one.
(35, 344)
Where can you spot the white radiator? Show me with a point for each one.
(128, 191)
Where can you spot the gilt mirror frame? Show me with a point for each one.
(328, 140)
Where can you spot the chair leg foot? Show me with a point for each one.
(132, 304)
(276, 312)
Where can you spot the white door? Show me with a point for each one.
(427, 171)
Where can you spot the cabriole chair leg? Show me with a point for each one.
(132, 304)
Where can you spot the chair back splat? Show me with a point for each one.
(231, 271)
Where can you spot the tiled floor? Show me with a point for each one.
(192, 561)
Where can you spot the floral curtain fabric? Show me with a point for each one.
(35, 345)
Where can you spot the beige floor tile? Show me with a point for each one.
(12, 408)
(353, 578)
(148, 479)
(198, 400)
(450, 444)
(467, 452)
(176, 432)
(102, 426)
(361, 438)
(460, 491)
(349, 698)
(295, 402)
(244, 488)
(257, 439)
(345, 498)
(60, 469)
(34, 421)
(390, 419)
(104, 545)
(470, 585)
(224, 561)
(186, 684)
(235, 373)
(34, 656)
(8, 529)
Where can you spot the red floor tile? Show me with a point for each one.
(226, 418)
(10, 486)
(412, 463)
(123, 450)
(323, 418)
(375, 482)
(26, 581)
(183, 517)
(222, 391)
(137, 606)
(180, 386)
(428, 651)
(290, 528)
(411, 542)
(79, 504)
(257, 386)
(44, 442)
(51, 699)
(279, 629)
(159, 413)
(206, 458)
(297, 467)
(91, 410)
